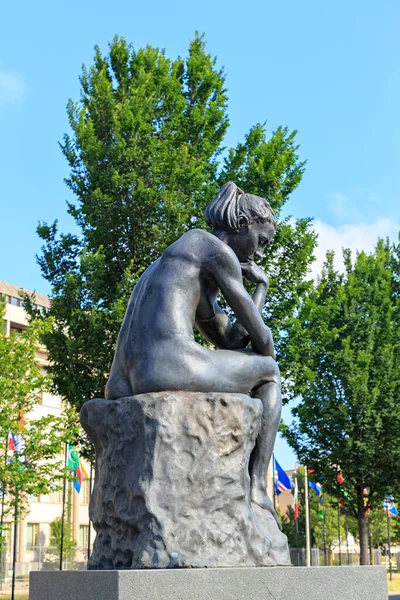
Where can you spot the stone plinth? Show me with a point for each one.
(279, 583)
(172, 487)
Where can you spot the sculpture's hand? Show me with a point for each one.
(254, 273)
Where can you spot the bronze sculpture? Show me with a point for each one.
(182, 451)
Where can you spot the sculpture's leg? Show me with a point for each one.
(270, 395)
(117, 386)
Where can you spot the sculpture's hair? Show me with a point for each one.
(232, 208)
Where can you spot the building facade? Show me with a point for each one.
(33, 538)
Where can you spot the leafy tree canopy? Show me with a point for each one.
(146, 156)
(348, 415)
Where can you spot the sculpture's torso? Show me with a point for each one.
(172, 293)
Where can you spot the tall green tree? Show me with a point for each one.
(348, 416)
(146, 156)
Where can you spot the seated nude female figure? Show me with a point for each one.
(156, 349)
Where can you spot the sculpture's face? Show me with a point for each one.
(251, 240)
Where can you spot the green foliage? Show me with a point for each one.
(145, 158)
(348, 335)
(38, 468)
(69, 545)
(379, 528)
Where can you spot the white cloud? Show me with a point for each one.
(361, 236)
(340, 205)
(353, 209)
(12, 87)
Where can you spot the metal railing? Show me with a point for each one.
(334, 559)
(38, 558)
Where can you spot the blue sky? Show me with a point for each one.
(330, 70)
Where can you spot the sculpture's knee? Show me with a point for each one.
(272, 373)
(117, 387)
(269, 387)
(109, 393)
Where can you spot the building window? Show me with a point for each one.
(6, 545)
(32, 536)
(49, 399)
(6, 541)
(85, 492)
(83, 536)
(52, 498)
(56, 497)
(17, 329)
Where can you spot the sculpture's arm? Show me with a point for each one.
(222, 333)
(219, 331)
(227, 273)
(238, 331)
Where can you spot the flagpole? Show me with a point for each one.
(340, 541)
(3, 502)
(347, 537)
(63, 510)
(308, 549)
(388, 530)
(371, 555)
(14, 558)
(325, 552)
(273, 478)
(296, 492)
(297, 542)
(90, 496)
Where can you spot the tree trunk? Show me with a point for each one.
(363, 534)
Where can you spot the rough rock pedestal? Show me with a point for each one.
(172, 486)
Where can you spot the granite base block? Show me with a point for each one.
(262, 583)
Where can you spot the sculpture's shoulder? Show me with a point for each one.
(202, 246)
(195, 237)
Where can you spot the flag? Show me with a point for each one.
(366, 502)
(316, 487)
(74, 464)
(321, 506)
(282, 481)
(84, 472)
(15, 443)
(296, 503)
(389, 507)
(12, 443)
(339, 478)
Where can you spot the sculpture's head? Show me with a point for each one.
(247, 220)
